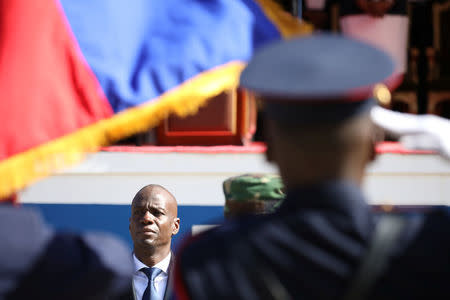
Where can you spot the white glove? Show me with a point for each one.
(416, 132)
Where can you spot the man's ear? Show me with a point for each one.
(377, 137)
(175, 226)
(372, 151)
(269, 151)
(268, 139)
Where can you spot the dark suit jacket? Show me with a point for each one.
(310, 249)
(38, 263)
(168, 294)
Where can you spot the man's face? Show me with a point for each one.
(153, 220)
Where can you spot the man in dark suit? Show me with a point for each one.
(324, 242)
(38, 263)
(153, 222)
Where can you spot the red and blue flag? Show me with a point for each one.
(77, 75)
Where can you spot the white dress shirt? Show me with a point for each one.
(140, 280)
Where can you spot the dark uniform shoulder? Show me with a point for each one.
(259, 258)
(210, 244)
(421, 267)
(222, 263)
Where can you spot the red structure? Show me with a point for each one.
(227, 119)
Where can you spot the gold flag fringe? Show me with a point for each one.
(24, 168)
(288, 25)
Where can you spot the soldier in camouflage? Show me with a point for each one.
(252, 194)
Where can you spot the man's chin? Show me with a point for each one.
(148, 242)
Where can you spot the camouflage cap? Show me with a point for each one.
(252, 193)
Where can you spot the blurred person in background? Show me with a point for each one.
(383, 24)
(249, 194)
(37, 262)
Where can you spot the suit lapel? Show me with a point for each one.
(134, 290)
(169, 289)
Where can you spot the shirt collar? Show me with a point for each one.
(162, 265)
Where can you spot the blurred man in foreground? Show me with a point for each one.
(38, 263)
(323, 242)
(153, 222)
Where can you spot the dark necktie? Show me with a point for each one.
(150, 292)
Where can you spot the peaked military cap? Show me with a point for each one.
(252, 193)
(318, 78)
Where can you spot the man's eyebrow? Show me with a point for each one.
(160, 208)
(138, 205)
